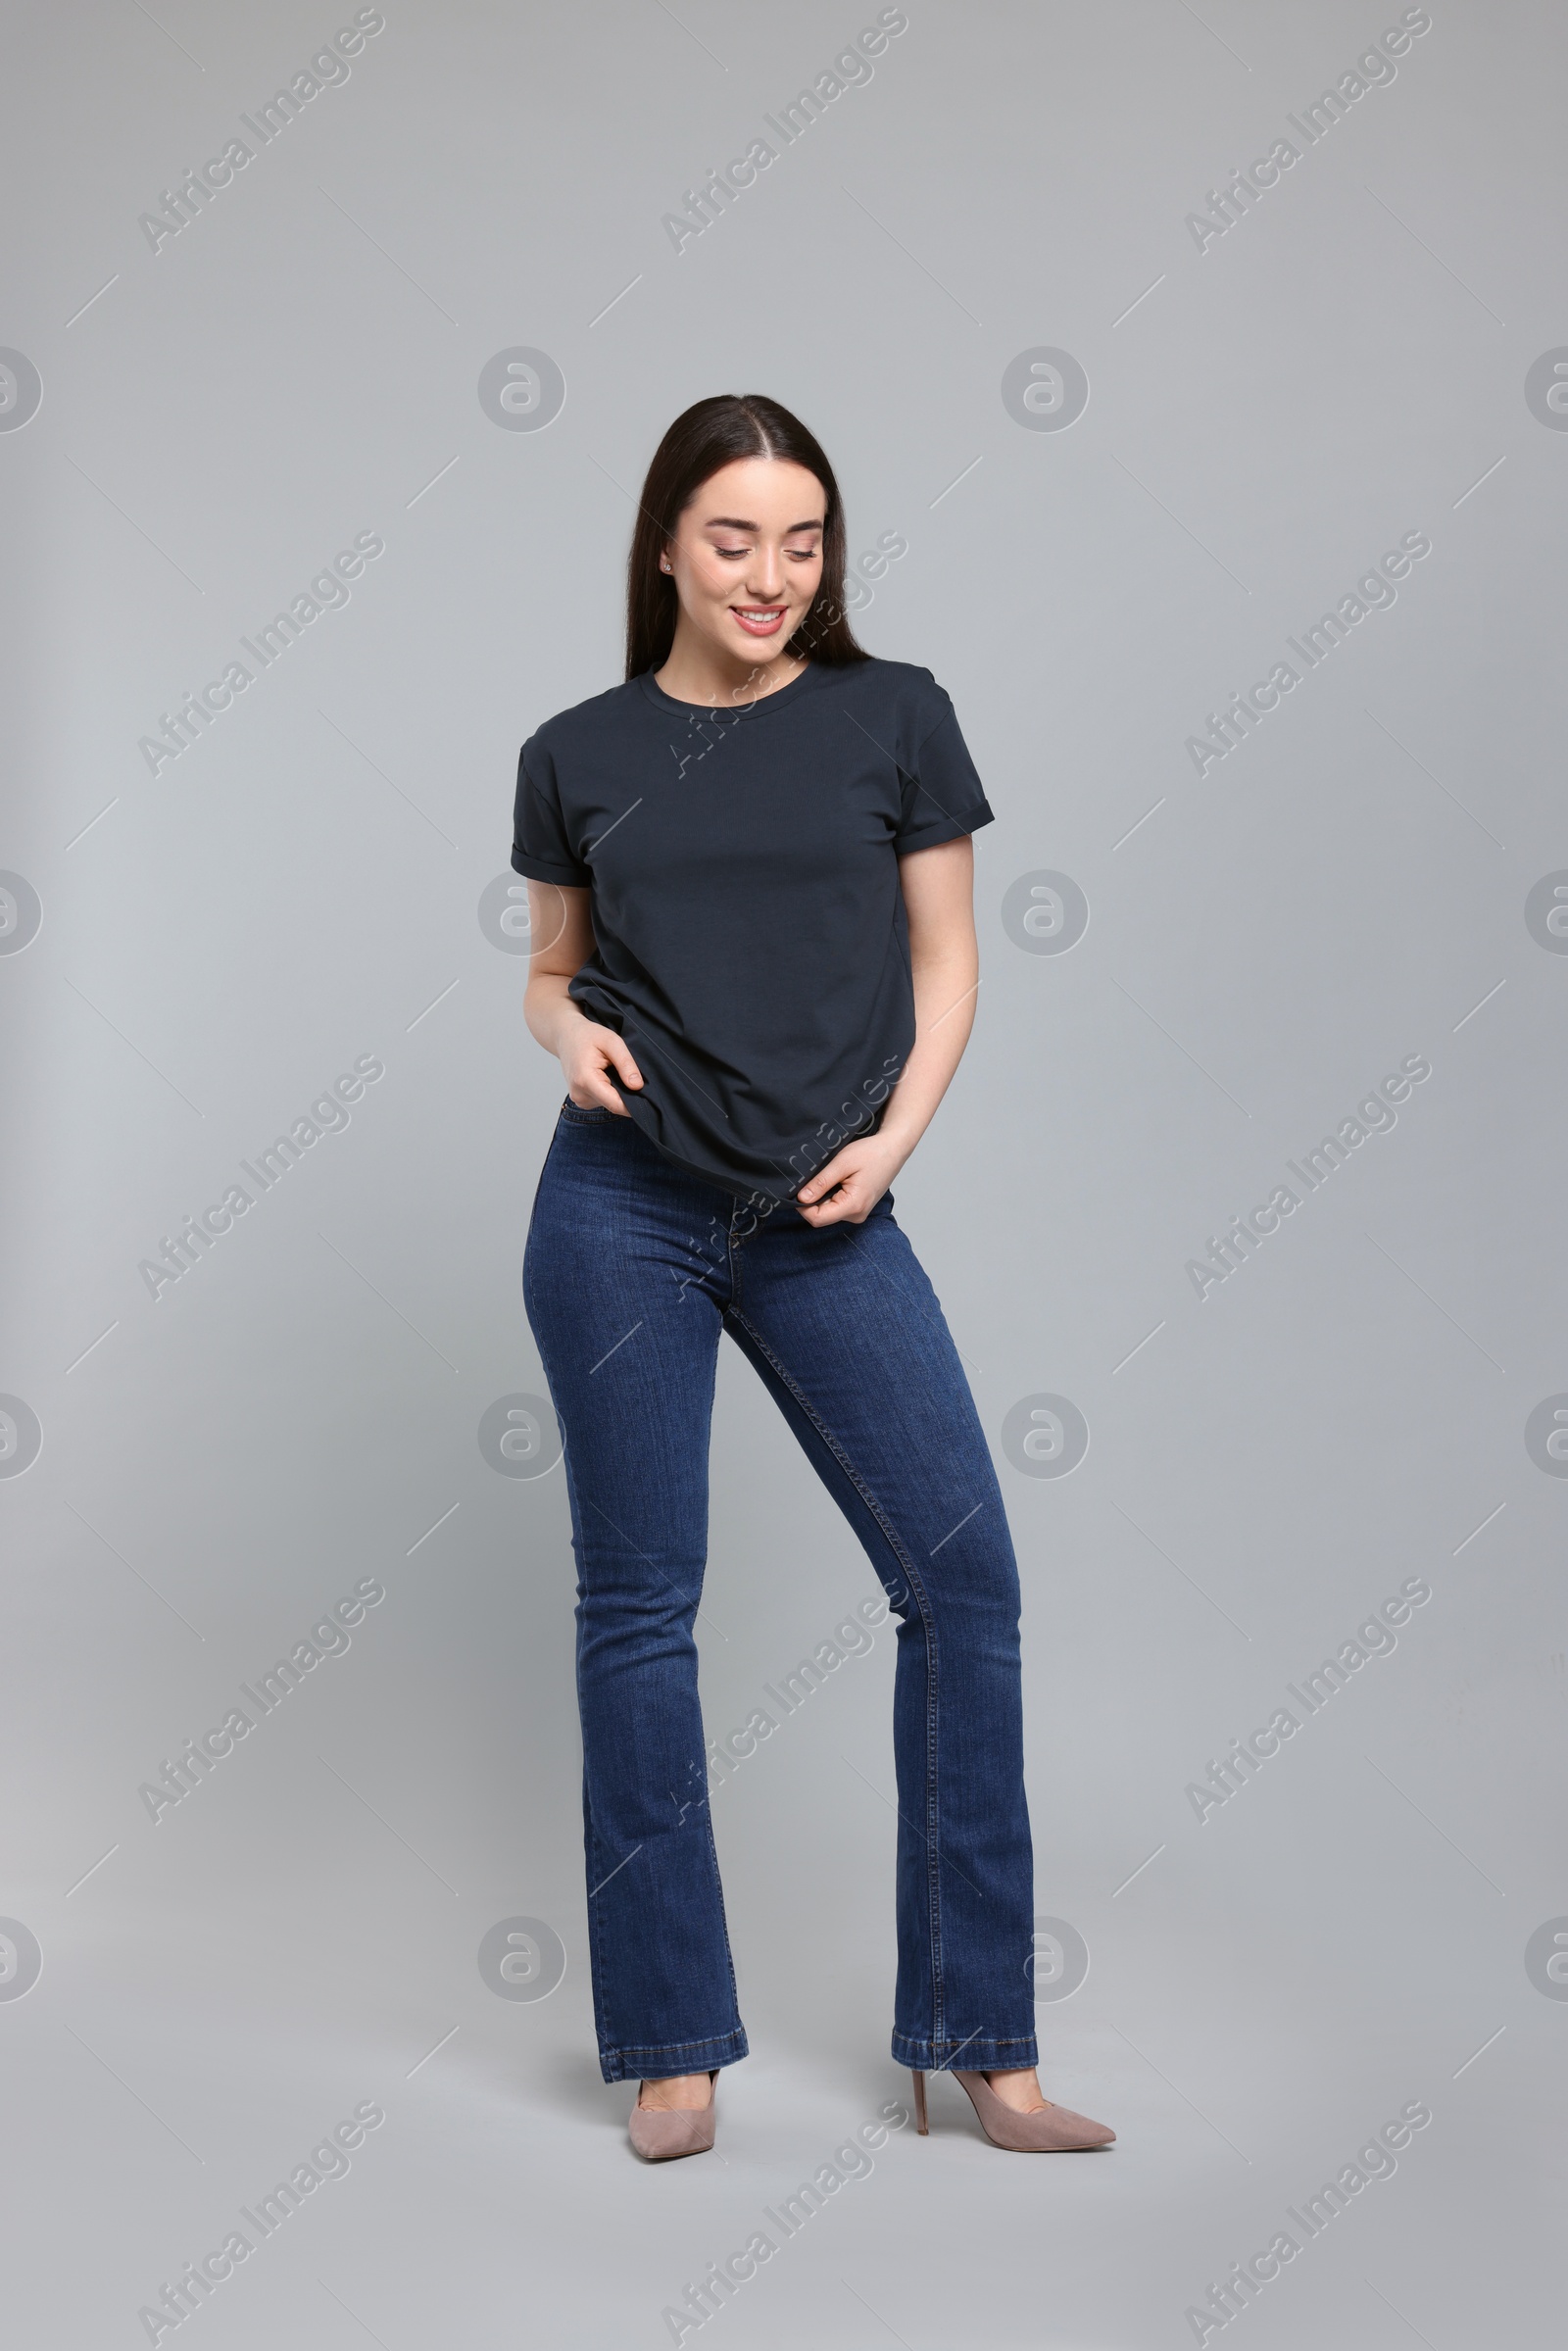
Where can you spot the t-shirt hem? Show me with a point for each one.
(730, 1182)
(540, 869)
(944, 828)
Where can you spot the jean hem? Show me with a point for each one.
(655, 2060)
(979, 2054)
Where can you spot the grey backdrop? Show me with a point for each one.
(193, 946)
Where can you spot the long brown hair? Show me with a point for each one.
(714, 433)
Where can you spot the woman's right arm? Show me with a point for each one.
(584, 1048)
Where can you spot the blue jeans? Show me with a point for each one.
(633, 1269)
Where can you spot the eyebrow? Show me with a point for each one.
(734, 522)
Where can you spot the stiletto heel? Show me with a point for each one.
(920, 2123)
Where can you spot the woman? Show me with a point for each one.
(750, 877)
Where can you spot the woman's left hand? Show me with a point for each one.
(849, 1187)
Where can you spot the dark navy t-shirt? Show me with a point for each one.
(751, 940)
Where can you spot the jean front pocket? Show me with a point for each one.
(577, 1114)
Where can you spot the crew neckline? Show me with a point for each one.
(812, 675)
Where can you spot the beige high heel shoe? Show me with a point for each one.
(1047, 2130)
(658, 2133)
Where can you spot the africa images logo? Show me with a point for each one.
(328, 592)
(328, 1114)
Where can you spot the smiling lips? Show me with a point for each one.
(759, 620)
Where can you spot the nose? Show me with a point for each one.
(765, 579)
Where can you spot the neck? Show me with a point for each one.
(700, 672)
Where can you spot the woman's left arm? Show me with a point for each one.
(938, 887)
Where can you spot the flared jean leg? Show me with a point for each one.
(628, 1337)
(844, 1329)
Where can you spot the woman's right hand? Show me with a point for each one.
(596, 1060)
(594, 1057)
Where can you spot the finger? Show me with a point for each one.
(838, 1205)
(837, 1171)
(601, 1094)
(834, 1213)
(617, 1052)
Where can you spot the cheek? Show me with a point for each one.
(712, 576)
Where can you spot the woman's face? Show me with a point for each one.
(747, 557)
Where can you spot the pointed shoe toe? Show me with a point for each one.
(1047, 2130)
(1073, 2130)
(658, 2133)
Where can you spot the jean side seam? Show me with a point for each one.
(595, 1882)
(928, 1625)
(723, 1922)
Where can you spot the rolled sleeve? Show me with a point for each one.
(540, 847)
(941, 793)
